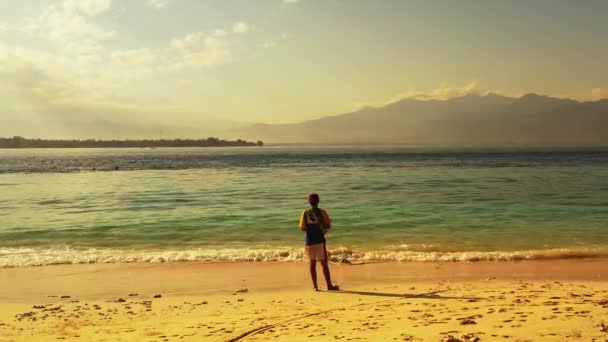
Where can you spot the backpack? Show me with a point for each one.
(324, 226)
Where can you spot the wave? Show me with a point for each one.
(24, 257)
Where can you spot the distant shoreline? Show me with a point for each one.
(24, 143)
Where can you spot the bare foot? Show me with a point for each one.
(333, 288)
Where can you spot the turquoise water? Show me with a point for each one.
(386, 203)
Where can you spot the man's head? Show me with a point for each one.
(313, 199)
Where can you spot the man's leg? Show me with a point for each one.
(313, 273)
(326, 272)
(325, 263)
(327, 275)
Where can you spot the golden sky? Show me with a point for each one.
(210, 64)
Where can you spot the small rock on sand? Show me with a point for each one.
(120, 300)
(467, 322)
(463, 338)
(243, 290)
(158, 296)
(470, 338)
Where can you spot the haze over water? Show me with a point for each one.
(387, 203)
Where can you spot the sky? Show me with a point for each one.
(130, 68)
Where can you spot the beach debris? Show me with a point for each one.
(603, 302)
(491, 278)
(120, 300)
(158, 296)
(25, 315)
(38, 307)
(57, 308)
(65, 297)
(406, 337)
(133, 294)
(242, 290)
(603, 327)
(470, 337)
(463, 338)
(240, 300)
(467, 321)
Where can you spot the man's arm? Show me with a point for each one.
(326, 219)
(303, 221)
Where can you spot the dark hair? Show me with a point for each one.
(313, 199)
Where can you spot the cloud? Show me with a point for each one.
(199, 49)
(599, 94)
(268, 44)
(61, 70)
(70, 27)
(443, 92)
(87, 7)
(240, 27)
(73, 45)
(157, 4)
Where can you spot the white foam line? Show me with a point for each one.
(20, 257)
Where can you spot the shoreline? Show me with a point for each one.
(16, 257)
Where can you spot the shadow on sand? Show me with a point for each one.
(428, 295)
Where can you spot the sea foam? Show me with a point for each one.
(23, 257)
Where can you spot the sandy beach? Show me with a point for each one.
(552, 300)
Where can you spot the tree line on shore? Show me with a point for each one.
(21, 142)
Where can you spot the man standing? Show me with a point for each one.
(316, 222)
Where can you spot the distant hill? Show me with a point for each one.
(471, 120)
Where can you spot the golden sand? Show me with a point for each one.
(515, 301)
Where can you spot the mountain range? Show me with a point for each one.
(470, 120)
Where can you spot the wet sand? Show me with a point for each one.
(552, 300)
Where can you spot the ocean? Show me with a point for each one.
(387, 203)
